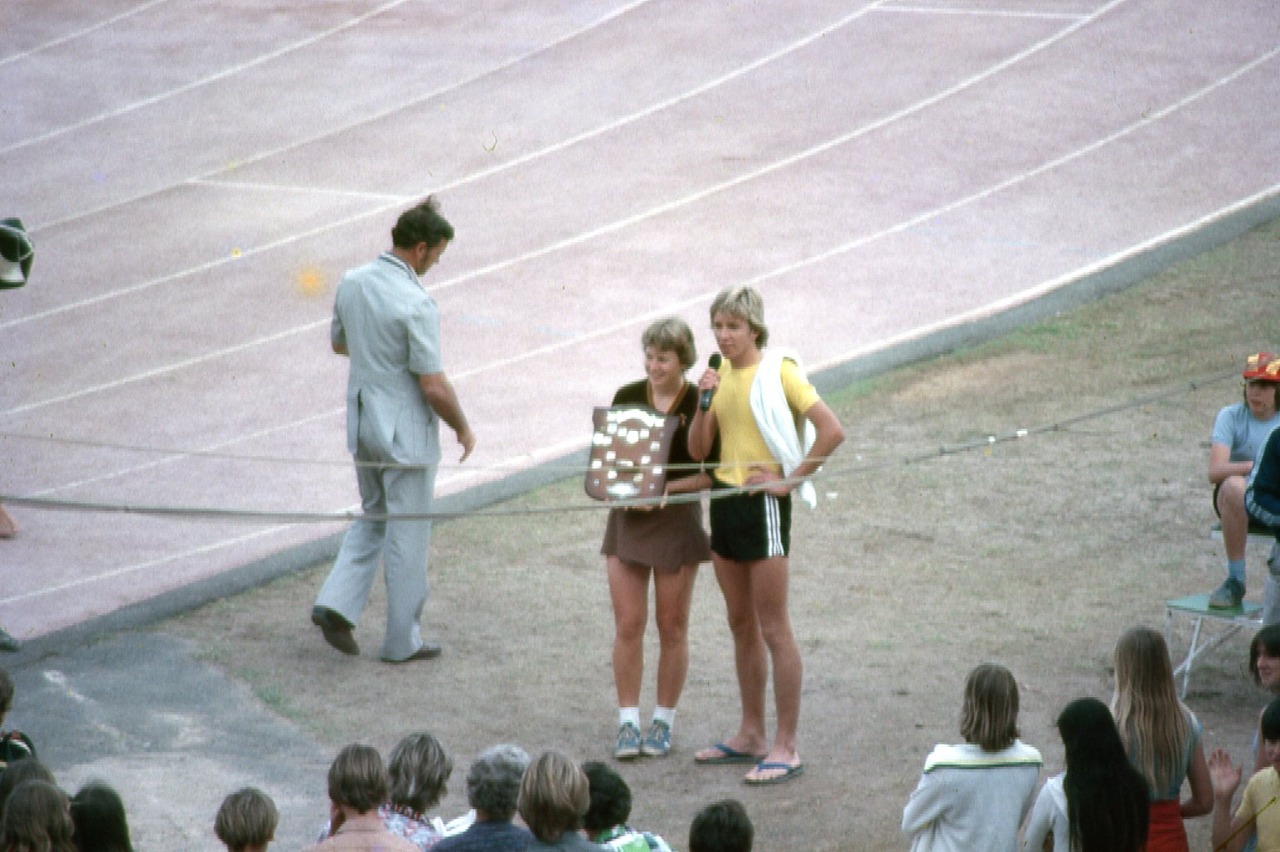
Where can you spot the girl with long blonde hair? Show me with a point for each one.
(1161, 737)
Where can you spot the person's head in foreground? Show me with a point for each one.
(37, 818)
(610, 799)
(1107, 804)
(419, 767)
(493, 782)
(721, 827)
(357, 779)
(989, 718)
(97, 812)
(247, 821)
(554, 796)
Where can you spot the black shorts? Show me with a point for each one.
(749, 527)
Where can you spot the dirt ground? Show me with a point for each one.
(933, 549)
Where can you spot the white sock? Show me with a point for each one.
(629, 715)
(666, 715)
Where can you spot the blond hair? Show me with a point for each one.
(554, 796)
(745, 303)
(1154, 725)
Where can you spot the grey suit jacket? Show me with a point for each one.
(390, 328)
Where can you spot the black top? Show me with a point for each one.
(681, 464)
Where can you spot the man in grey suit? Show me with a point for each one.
(397, 394)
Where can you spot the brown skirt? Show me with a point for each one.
(665, 539)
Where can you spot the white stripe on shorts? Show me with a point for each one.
(773, 527)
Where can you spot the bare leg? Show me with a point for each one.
(673, 594)
(629, 591)
(1235, 520)
(749, 654)
(769, 584)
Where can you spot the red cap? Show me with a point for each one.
(1264, 366)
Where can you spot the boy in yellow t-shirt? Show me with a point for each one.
(1258, 814)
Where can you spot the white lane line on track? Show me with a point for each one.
(330, 132)
(160, 97)
(80, 33)
(386, 197)
(982, 312)
(990, 13)
(1147, 120)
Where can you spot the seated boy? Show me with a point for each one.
(1258, 814)
(247, 821)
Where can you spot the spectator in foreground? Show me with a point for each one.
(26, 769)
(976, 794)
(14, 745)
(493, 789)
(721, 827)
(1161, 737)
(357, 787)
(1257, 817)
(97, 812)
(420, 768)
(554, 797)
(37, 818)
(606, 817)
(247, 821)
(1100, 803)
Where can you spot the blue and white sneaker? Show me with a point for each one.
(628, 745)
(657, 740)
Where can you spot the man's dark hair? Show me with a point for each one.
(421, 223)
(610, 798)
(722, 827)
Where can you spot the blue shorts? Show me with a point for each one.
(749, 527)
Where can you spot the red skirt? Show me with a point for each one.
(1166, 832)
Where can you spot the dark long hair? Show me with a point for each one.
(1107, 804)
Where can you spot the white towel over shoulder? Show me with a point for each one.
(789, 436)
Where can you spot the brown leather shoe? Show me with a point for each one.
(428, 651)
(336, 630)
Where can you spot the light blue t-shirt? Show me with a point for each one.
(1237, 428)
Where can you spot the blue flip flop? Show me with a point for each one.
(791, 771)
(727, 755)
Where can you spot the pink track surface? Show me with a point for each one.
(197, 175)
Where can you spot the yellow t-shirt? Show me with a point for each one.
(1261, 789)
(741, 445)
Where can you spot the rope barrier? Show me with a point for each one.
(839, 474)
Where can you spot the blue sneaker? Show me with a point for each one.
(657, 740)
(628, 745)
(1228, 595)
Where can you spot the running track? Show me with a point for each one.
(197, 175)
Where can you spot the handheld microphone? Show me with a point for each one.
(705, 401)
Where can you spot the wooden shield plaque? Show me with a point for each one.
(630, 448)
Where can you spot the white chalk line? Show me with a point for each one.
(80, 33)
(231, 71)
